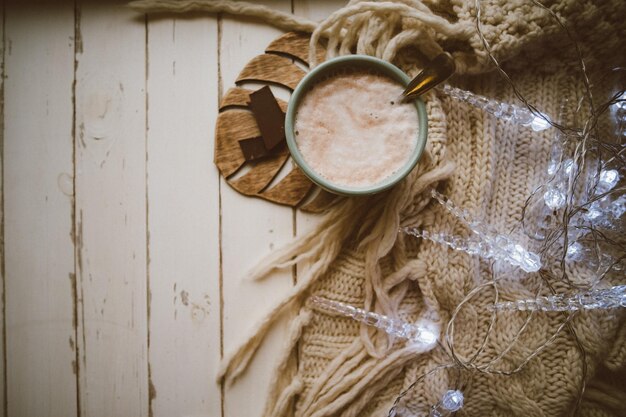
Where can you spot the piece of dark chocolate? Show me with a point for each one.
(253, 148)
(269, 117)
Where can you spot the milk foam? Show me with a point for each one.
(351, 132)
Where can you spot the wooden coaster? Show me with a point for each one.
(236, 122)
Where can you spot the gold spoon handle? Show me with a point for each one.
(436, 72)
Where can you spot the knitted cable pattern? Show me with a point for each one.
(486, 166)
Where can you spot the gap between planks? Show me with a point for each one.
(220, 90)
(4, 387)
(75, 238)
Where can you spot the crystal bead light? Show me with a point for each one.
(553, 166)
(620, 102)
(394, 327)
(575, 252)
(504, 111)
(607, 181)
(451, 402)
(618, 207)
(562, 184)
(489, 248)
(568, 165)
(606, 298)
(554, 198)
(540, 216)
(483, 242)
(462, 215)
(606, 211)
(619, 110)
(540, 123)
(594, 211)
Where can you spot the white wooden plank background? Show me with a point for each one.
(3, 386)
(38, 203)
(183, 220)
(123, 252)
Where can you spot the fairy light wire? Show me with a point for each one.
(394, 407)
(586, 144)
(503, 73)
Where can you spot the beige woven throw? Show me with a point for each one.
(487, 166)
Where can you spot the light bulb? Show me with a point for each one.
(607, 181)
(574, 252)
(554, 198)
(618, 207)
(567, 166)
(426, 336)
(452, 400)
(540, 122)
(594, 211)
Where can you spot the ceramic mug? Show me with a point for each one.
(327, 68)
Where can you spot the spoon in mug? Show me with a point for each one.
(437, 71)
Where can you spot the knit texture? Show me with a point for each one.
(350, 370)
(488, 167)
(496, 167)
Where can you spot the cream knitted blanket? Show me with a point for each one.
(487, 166)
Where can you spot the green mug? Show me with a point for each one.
(329, 67)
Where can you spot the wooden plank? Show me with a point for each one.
(251, 228)
(38, 171)
(183, 219)
(3, 358)
(316, 10)
(111, 210)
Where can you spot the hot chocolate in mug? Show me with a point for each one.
(347, 129)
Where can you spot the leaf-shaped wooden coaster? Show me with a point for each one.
(236, 122)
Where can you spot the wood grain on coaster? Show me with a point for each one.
(237, 130)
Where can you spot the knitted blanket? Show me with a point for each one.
(483, 164)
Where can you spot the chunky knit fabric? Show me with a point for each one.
(496, 166)
(486, 166)
(499, 164)
(346, 369)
